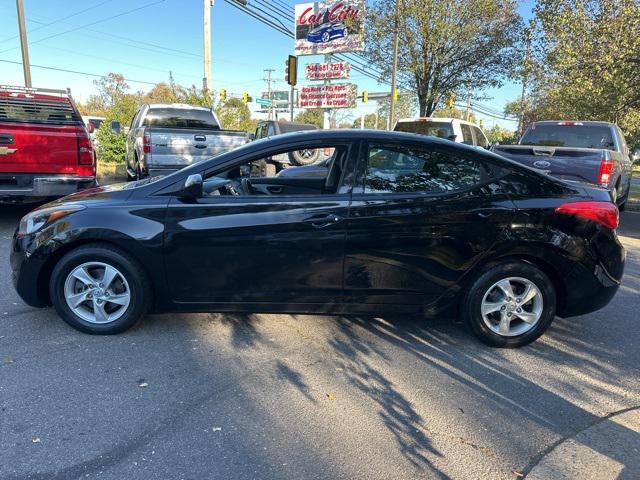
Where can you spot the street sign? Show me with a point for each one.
(327, 71)
(264, 101)
(329, 27)
(335, 95)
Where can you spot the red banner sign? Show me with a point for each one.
(337, 95)
(327, 71)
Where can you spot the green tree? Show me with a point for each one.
(587, 55)
(234, 114)
(454, 112)
(501, 135)
(445, 47)
(111, 146)
(314, 116)
(371, 121)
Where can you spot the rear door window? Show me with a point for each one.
(399, 169)
(58, 111)
(168, 117)
(481, 140)
(467, 136)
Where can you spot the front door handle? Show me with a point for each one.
(321, 221)
(199, 145)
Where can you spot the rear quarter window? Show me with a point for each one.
(34, 110)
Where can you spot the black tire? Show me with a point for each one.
(472, 302)
(305, 156)
(138, 283)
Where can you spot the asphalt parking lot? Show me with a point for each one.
(287, 396)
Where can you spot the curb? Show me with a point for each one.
(608, 448)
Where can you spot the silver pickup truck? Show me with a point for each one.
(164, 138)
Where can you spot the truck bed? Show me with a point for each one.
(567, 163)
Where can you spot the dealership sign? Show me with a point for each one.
(329, 27)
(337, 95)
(327, 71)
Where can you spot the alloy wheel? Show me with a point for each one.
(97, 292)
(512, 306)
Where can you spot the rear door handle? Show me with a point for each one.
(6, 139)
(200, 146)
(321, 221)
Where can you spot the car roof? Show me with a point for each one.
(177, 105)
(436, 119)
(584, 122)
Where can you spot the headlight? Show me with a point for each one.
(34, 221)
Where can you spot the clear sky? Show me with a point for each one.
(145, 39)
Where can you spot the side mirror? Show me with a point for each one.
(193, 186)
(452, 137)
(252, 137)
(115, 126)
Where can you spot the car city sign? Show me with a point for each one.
(327, 71)
(329, 27)
(336, 95)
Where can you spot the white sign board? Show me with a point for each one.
(329, 27)
(327, 71)
(336, 95)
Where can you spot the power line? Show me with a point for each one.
(58, 20)
(147, 5)
(82, 54)
(46, 67)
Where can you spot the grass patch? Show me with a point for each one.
(634, 194)
(636, 169)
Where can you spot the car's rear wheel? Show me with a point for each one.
(99, 289)
(510, 305)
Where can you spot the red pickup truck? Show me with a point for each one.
(45, 149)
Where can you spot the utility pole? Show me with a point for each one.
(26, 66)
(206, 80)
(525, 74)
(394, 68)
(468, 115)
(269, 71)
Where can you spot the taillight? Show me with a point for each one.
(146, 143)
(604, 213)
(85, 149)
(604, 174)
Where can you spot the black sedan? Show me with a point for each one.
(399, 224)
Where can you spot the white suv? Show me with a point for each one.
(452, 129)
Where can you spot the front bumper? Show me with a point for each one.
(17, 187)
(26, 271)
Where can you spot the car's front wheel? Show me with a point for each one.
(99, 289)
(510, 305)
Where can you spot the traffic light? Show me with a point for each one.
(245, 97)
(365, 96)
(223, 95)
(451, 100)
(291, 70)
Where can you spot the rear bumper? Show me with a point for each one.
(17, 187)
(590, 287)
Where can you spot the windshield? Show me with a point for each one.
(181, 118)
(576, 136)
(435, 129)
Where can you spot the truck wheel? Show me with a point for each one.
(99, 289)
(306, 156)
